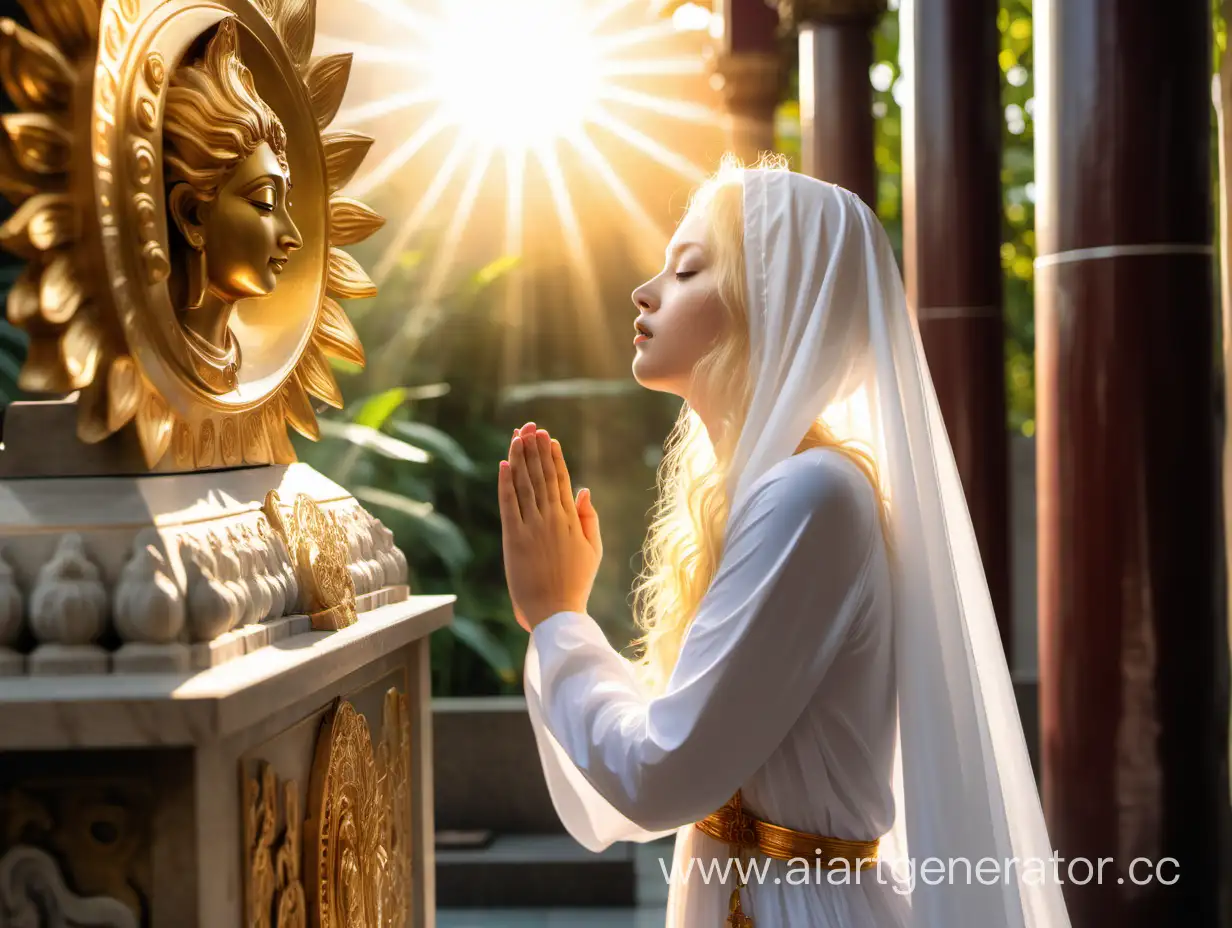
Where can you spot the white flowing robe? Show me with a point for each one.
(784, 688)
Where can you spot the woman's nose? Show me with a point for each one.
(643, 297)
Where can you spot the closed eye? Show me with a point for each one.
(264, 198)
(685, 275)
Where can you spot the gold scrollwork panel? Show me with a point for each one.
(348, 864)
(359, 820)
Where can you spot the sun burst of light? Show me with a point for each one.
(522, 79)
(545, 55)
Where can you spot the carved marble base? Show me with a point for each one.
(169, 573)
(12, 664)
(52, 660)
(133, 784)
(139, 657)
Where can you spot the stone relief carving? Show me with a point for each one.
(33, 895)
(77, 850)
(12, 621)
(68, 612)
(177, 593)
(212, 608)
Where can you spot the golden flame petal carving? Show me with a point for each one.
(71, 24)
(154, 422)
(46, 70)
(34, 73)
(299, 408)
(92, 413)
(124, 392)
(281, 449)
(44, 370)
(41, 143)
(252, 435)
(327, 81)
(23, 299)
(16, 183)
(344, 153)
(82, 348)
(346, 278)
(296, 23)
(315, 374)
(43, 222)
(351, 221)
(60, 290)
(335, 335)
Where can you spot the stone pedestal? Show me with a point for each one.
(214, 705)
(152, 791)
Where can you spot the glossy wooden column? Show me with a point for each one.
(748, 72)
(836, 97)
(1133, 641)
(951, 251)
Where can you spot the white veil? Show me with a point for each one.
(830, 333)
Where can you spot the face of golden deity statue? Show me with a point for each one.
(228, 195)
(246, 230)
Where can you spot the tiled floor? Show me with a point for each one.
(650, 913)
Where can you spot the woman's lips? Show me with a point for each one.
(278, 264)
(638, 339)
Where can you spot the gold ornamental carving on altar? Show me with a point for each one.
(348, 864)
(318, 549)
(176, 192)
(359, 821)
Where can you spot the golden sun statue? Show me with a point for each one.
(176, 204)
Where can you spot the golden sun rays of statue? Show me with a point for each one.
(176, 202)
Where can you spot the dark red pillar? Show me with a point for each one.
(836, 98)
(748, 71)
(1133, 641)
(951, 251)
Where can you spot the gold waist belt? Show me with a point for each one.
(732, 825)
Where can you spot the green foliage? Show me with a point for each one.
(417, 444)
(12, 354)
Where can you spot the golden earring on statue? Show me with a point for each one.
(197, 272)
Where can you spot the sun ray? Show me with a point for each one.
(397, 158)
(579, 256)
(651, 234)
(427, 203)
(370, 54)
(688, 112)
(653, 67)
(639, 36)
(375, 109)
(607, 11)
(515, 196)
(655, 150)
(400, 13)
(448, 250)
(423, 315)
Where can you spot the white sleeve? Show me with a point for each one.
(622, 766)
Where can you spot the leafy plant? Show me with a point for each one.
(422, 457)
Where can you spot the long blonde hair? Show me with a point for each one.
(685, 540)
